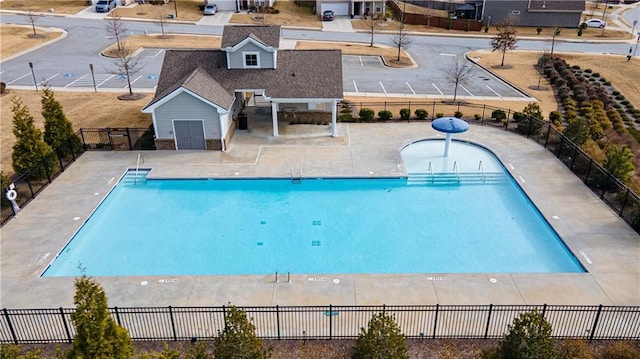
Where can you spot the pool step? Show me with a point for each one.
(133, 178)
(449, 178)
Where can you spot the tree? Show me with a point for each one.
(30, 149)
(58, 131)
(529, 337)
(32, 18)
(97, 334)
(161, 13)
(381, 339)
(458, 72)
(238, 339)
(505, 38)
(127, 63)
(401, 38)
(619, 163)
(556, 32)
(372, 26)
(577, 130)
(531, 121)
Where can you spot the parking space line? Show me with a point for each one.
(434, 85)
(158, 53)
(47, 79)
(105, 80)
(76, 80)
(25, 75)
(462, 87)
(360, 57)
(132, 82)
(410, 88)
(492, 90)
(445, 54)
(381, 85)
(354, 85)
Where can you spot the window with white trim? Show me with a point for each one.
(251, 59)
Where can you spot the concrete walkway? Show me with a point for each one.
(606, 246)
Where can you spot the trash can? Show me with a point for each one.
(242, 121)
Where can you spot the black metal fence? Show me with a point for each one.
(596, 322)
(27, 185)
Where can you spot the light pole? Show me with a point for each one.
(93, 77)
(35, 83)
(604, 17)
(556, 32)
(175, 7)
(635, 22)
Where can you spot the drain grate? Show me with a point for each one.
(316, 243)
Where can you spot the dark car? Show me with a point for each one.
(327, 15)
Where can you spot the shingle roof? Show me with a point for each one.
(268, 35)
(300, 74)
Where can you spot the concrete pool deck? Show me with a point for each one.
(605, 245)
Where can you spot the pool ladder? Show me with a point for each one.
(294, 178)
(140, 157)
(481, 171)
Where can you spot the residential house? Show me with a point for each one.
(350, 7)
(545, 13)
(238, 5)
(202, 93)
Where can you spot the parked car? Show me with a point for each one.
(327, 15)
(594, 23)
(105, 5)
(210, 9)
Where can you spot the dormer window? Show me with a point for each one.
(251, 59)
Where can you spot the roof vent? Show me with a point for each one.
(293, 74)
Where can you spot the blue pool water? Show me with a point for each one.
(317, 226)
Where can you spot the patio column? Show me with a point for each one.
(274, 118)
(334, 115)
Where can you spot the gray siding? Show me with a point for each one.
(500, 10)
(186, 107)
(236, 58)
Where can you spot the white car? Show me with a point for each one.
(210, 9)
(594, 23)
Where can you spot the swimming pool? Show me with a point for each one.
(320, 226)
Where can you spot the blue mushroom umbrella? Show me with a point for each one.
(449, 125)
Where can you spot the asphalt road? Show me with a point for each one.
(66, 63)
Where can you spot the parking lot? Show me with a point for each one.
(368, 74)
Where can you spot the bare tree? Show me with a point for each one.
(126, 62)
(401, 37)
(372, 24)
(505, 38)
(458, 72)
(32, 18)
(556, 32)
(161, 12)
(118, 29)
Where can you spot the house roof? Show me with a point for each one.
(268, 35)
(300, 74)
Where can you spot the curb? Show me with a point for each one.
(47, 29)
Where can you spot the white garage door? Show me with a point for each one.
(339, 8)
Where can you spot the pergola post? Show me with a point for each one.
(334, 116)
(274, 118)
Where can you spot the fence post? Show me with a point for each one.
(506, 123)
(482, 118)
(13, 332)
(624, 203)
(595, 324)
(435, 322)
(173, 325)
(330, 321)
(278, 320)
(66, 327)
(573, 158)
(486, 329)
(73, 153)
(60, 161)
(433, 110)
(46, 170)
(604, 185)
(546, 138)
(129, 139)
(544, 309)
(586, 178)
(84, 143)
(117, 315)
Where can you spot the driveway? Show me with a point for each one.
(339, 24)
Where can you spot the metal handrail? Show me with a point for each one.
(481, 169)
(456, 170)
(135, 179)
